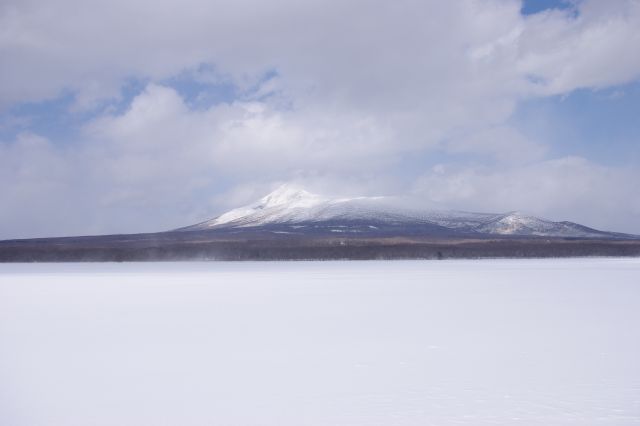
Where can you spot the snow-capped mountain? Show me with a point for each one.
(290, 209)
(293, 224)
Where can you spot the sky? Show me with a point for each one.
(142, 116)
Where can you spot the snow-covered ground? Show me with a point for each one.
(501, 342)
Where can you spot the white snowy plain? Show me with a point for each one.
(496, 342)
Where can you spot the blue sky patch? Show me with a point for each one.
(529, 7)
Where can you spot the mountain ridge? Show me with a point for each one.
(293, 207)
(293, 224)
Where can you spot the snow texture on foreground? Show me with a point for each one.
(506, 342)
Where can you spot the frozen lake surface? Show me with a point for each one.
(500, 342)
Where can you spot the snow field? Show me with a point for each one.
(500, 342)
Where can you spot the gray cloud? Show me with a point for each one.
(358, 89)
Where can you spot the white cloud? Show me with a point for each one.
(503, 143)
(241, 138)
(358, 88)
(160, 165)
(570, 188)
(398, 56)
(424, 67)
(598, 48)
(34, 178)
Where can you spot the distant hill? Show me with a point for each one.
(293, 224)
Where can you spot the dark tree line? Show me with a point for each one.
(308, 249)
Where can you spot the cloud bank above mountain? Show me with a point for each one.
(173, 112)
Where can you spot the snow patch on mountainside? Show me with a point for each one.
(291, 196)
(517, 223)
(287, 204)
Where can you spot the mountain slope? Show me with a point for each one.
(293, 224)
(290, 209)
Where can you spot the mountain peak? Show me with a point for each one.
(288, 194)
(291, 209)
